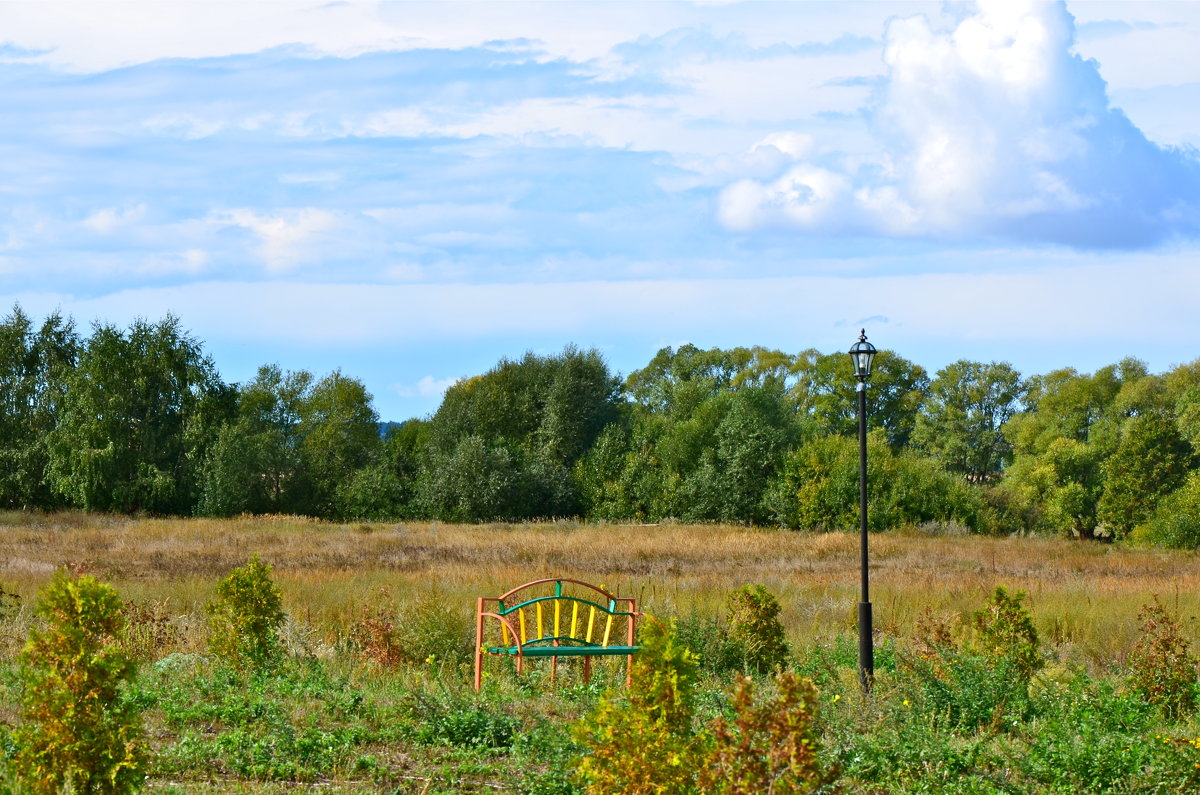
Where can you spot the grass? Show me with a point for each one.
(345, 725)
(1084, 597)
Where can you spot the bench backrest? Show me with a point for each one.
(569, 612)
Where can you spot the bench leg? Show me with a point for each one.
(479, 645)
(587, 670)
(553, 668)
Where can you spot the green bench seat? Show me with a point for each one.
(565, 651)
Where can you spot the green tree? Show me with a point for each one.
(550, 407)
(1151, 461)
(387, 487)
(734, 461)
(34, 366)
(1176, 521)
(1064, 404)
(1071, 425)
(138, 414)
(824, 392)
(255, 464)
(677, 382)
(472, 483)
(340, 436)
(818, 488)
(1065, 481)
(527, 423)
(966, 406)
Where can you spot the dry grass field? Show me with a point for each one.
(1084, 596)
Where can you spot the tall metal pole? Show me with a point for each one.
(866, 650)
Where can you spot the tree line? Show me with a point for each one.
(138, 420)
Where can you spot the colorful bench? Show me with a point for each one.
(556, 618)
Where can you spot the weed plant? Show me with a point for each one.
(1162, 668)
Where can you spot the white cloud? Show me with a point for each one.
(427, 387)
(992, 128)
(286, 239)
(111, 218)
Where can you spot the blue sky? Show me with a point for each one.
(410, 191)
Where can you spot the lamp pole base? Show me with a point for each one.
(866, 648)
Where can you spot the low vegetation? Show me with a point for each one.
(1002, 664)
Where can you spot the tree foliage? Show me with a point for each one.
(139, 411)
(34, 365)
(965, 410)
(137, 419)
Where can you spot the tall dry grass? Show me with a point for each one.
(1084, 596)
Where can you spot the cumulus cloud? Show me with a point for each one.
(995, 128)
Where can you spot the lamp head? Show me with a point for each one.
(862, 354)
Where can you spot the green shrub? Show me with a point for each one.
(246, 616)
(771, 746)
(982, 685)
(822, 660)
(1005, 629)
(718, 653)
(1162, 669)
(754, 624)
(1088, 736)
(644, 743)
(79, 734)
(433, 627)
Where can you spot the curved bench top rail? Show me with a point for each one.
(611, 609)
(507, 623)
(558, 587)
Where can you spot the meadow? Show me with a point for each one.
(344, 714)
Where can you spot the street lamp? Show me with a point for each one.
(862, 353)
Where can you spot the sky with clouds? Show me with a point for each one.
(410, 191)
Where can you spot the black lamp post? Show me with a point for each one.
(861, 354)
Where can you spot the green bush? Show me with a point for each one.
(1162, 669)
(771, 746)
(718, 653)
(980, 685)
(754, 624)
(645, 743)
(1005, 629)
(79, 733)
(433, 627)
(246, 616)
(450, 719)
